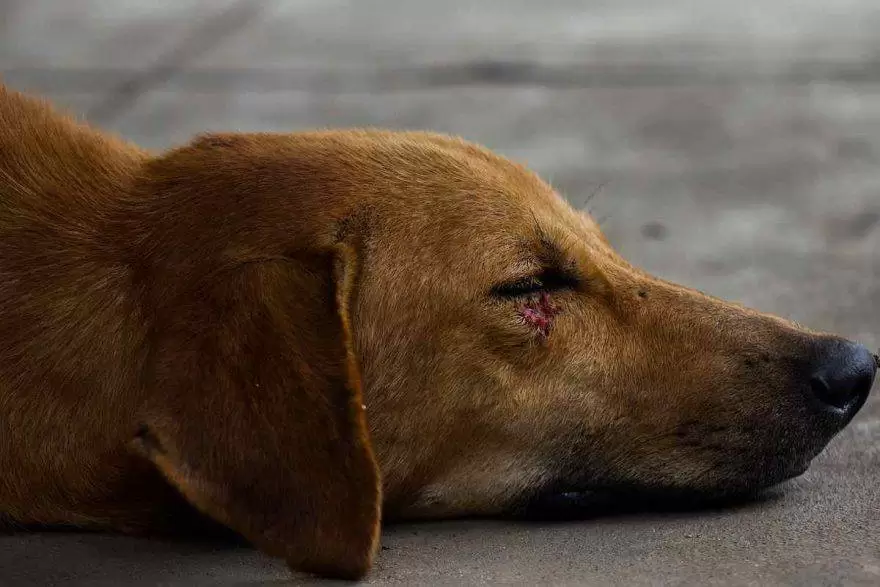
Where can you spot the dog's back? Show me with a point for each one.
(69, 323)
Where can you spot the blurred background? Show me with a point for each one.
(731, 146)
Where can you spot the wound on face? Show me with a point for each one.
(539, 312)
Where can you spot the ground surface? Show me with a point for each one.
(738, 144)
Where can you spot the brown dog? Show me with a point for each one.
(295, 333)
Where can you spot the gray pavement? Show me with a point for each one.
(738, 146)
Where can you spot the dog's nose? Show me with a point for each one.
(843, 373)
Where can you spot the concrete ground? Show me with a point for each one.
(737, 145)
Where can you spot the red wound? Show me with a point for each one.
(539, 313)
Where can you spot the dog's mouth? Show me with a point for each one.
(570, 502)
(585, 505)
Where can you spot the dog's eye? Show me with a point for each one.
(533, 284)
(521, 287)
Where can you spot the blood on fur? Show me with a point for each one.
(539, 313)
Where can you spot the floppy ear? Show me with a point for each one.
(257, 416)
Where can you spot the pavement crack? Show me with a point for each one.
(208, 34)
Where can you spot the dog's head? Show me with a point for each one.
(503, 348)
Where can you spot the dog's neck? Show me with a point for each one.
(63, 189)
(44, 154)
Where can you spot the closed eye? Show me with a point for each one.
(547, 280)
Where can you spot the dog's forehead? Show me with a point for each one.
(447, 198)
(468, 206)
(468, 184)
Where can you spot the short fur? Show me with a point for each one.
(255, 326)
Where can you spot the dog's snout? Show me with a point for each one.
(842, 374)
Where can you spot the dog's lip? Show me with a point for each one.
(568, 501)
(577, 505)
(797, 469)
(548, 505)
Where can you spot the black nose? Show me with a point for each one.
(843, 373)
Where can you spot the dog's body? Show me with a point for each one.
(215, 327)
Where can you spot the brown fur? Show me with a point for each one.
(204, 327)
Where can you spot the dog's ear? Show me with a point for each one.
(256, 413)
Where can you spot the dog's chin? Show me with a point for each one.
(563, 501)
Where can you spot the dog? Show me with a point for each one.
(296, 336)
